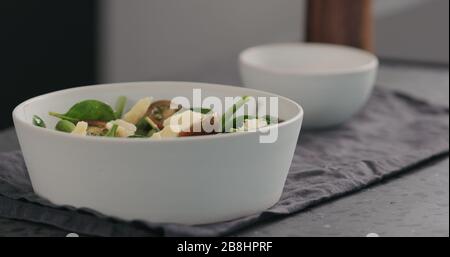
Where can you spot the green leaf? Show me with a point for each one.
(142, 127)
(88, 110)
(63, 117)
(37, 121)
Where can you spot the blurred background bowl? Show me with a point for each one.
(331, 82)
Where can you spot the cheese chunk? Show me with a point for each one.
(252, 125)
(137, 111)
(80, 129)
(124, 129)
(156, 136)
(167, 132)
(183, 120)
(179, 122)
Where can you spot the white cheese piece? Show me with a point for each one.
(156, 136)
(80, 129)
(138, 110)
(167, 132)
(252, 125)
(183, 120)
(124, 128)
(179, 122)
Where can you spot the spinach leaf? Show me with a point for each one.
(63, 117)
(146, 127)
(88, 110)
(142, 127)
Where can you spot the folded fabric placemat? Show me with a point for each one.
(394, 133)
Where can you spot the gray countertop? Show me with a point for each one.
(414, 204)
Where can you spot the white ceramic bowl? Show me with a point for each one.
(331, 82)
(192, 180)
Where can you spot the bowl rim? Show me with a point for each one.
(372, 64)
(18, 119)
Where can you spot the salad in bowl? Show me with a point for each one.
(153, 155)
(152, 119)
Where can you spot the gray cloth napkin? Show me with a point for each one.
(394, 133)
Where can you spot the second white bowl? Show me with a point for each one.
(331, 82)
